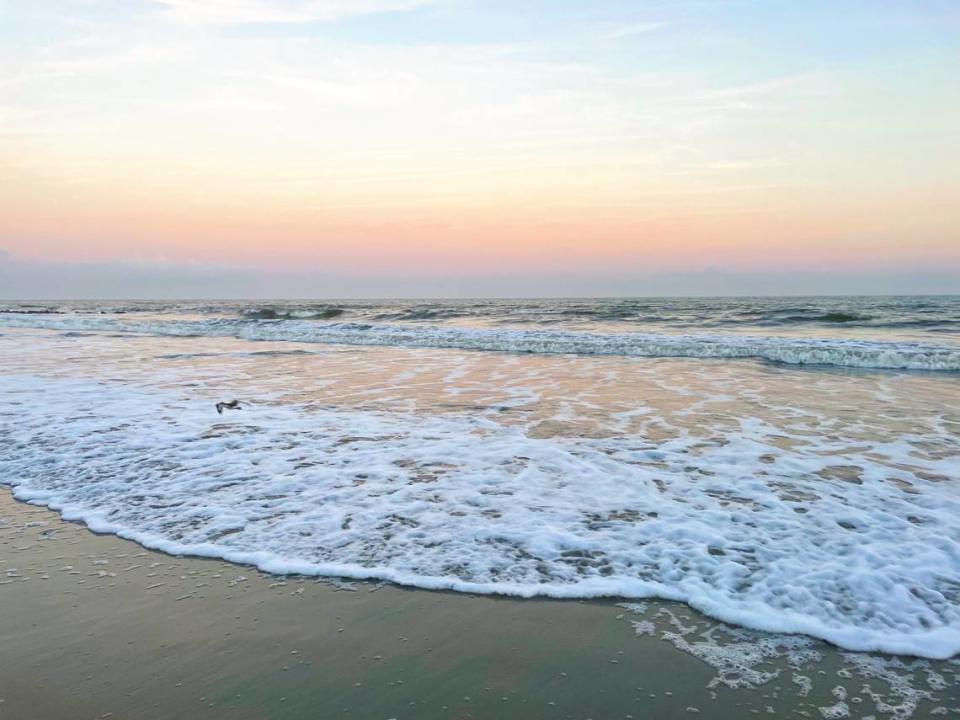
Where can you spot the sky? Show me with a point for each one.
(232, 148)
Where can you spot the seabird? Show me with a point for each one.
(231, 405)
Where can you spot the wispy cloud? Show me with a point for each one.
(225, 12)
(630, 29)
(806, 84)
(22, 279)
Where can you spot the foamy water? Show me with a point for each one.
(814, 501)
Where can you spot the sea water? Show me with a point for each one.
(789, 465)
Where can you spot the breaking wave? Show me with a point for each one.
(846, 353)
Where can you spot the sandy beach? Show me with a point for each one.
(94, 626)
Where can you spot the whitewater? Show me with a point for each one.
(795, 477)
(840, 352)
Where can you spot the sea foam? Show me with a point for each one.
(735, 525)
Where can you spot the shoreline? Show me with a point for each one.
(94, 624)
(274, 566)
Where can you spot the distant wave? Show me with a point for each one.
(877, 315)
(792, 351)
(424, 313)
(830, 317)
(32, 311)
(273, 313)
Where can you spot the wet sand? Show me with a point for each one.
(94, 626)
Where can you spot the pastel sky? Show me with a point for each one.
(555, 145)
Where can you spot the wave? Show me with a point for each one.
(272, 313)
(32, 311)
(882, 316)
(830, 317)
(790, 351)
(764, 538)
(425, 313)
(440, 310)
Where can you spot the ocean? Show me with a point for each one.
(784, 464)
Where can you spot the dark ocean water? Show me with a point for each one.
(926, 313)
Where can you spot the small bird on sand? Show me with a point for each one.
(229, 405)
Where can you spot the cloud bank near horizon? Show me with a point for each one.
(32, 280)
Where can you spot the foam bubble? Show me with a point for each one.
(894, 688)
